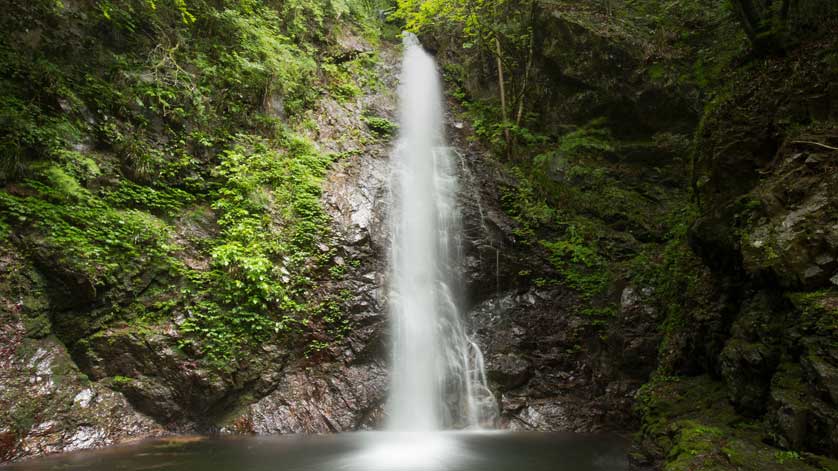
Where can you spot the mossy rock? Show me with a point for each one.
(747, 369)
(689, 424)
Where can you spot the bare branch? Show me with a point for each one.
(813, 143)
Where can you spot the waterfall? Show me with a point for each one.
(438, 377)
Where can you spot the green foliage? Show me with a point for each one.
(788, 455)
(271, 223)
(380, 126)
(526, 206)
(478, 23)
(591, 137)
(25, 131)
(772, 26)
(167, 200)
(600, 316)
(501, 29)
(591, 140)
(121, 380)
(489, 126)
(575, 255)
(579, 263)
(122, 120)
(567, 200)
(305, 20)
(86, 235)
(342, 84)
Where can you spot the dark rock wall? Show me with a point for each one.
(752, 324)
(767, 179)
(551, 368)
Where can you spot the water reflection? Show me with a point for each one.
(406, 451)
(371, 451)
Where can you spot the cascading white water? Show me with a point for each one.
(438, 378)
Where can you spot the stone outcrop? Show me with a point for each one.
(324, 398)
(767, 233)
(49, 404)
(773, 235)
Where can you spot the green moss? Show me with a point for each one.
(593, 137)
(166, 201)
(818, 310)
(695, 426)
(23, 415)
(36, 322)
(682, 284)
(341, 83)
(695, 445)
(84, 233)
(526, 206)
(119, 381)
(786, 456)
(656, 71)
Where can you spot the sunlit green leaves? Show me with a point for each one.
(268, 206)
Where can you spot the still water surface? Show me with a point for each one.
(369, 451)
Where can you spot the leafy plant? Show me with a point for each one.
(579, 262)
(380, 126)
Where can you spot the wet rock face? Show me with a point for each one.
(747, 369)
(539, 380)
(547, 363)
(550, 369)
(795, 234)
(802, 420)
(785, 227)
(509, 370)
(158, 379)
(343, 387)
(635, 339)
(520, 329)
(50, 406)
(769, 193)
(489, 263)
(327, 398)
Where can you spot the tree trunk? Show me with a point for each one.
(784, 11)
(523, 93)
(502, 86)
(764, 23)
(748, 17)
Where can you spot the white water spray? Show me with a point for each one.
(438, 373)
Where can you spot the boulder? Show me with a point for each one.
(747, 369)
